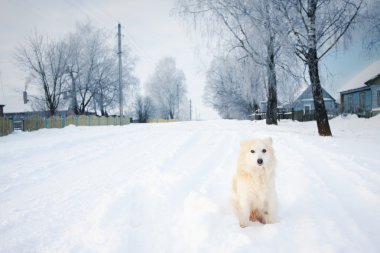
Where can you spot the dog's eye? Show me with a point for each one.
(252, 151)
(264, 150)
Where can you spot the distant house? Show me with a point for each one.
(361, 95)
(302, 109)
(305, 102)
(263, 106)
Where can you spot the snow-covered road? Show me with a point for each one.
(166, 188)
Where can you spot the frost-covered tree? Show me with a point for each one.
(317, 26)
(233, 89)
(371, 24)
(88, 47)
(45, 61)
(93, 71)
(106, 85)
(167, 88)
(251, 27)
(131, 83)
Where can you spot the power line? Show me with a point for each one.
(130, 38)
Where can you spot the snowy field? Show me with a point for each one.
(167, 187)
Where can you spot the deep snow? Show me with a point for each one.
(166, 188)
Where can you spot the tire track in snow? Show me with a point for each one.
(324, 174)
(117, 194)
(206, 190)
(198, 165)
(168, 191)
(64, 153)
(91, 186)
(156, 183)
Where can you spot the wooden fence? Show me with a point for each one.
(161, 120)
(6, 126)
(294, 115)
(36, 122)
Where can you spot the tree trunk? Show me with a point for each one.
(319, 105)
(271, 118)
(312, 62)
(52, 110)
(74, 102)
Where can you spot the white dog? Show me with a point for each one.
(253, 187)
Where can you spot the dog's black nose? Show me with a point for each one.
(260, 161)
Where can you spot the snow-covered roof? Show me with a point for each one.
(307, 94)
(359, 80)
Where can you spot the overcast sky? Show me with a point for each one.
(148, 30)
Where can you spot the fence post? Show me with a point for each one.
(292, 114)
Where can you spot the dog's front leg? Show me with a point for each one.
(270, 211)
(245, 212)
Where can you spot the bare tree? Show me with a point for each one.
(46, 61)
(106, 85)
(143, 108)
(83, 64)
(167, 88)
(316, 27)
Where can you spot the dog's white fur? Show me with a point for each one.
(253, 188)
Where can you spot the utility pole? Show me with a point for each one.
(178, 100)
(190, 109)
(120, 73)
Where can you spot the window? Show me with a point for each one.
(361, 101)
(350, 106)
(306, 109)
(378, 98)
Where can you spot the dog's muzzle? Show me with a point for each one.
(260, 161)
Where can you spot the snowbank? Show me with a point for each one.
(166, 188)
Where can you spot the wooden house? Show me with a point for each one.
(305, 102)
(361, 96)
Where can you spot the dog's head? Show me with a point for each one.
(258, 153)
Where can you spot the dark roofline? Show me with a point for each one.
(372, 79)
(309, 88)
(355, 90)
(364, 87)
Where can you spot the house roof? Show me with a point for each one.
(369, 73)
(376, 78)
(308, 94)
